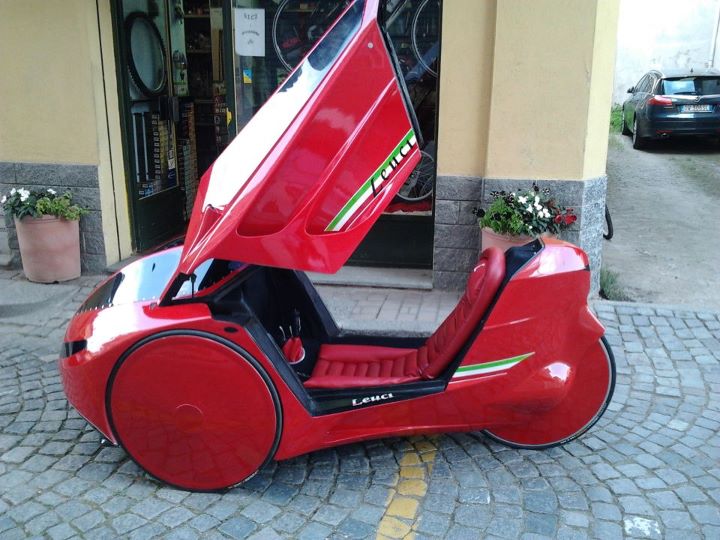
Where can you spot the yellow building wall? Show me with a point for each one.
(59, 98)
(540, 95)
(48, 112)
(601, 89)
(466, 72)
(525, 88)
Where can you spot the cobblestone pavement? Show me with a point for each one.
(649, 468)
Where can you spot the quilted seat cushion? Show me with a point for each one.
(353, 366)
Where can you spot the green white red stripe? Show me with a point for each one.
(375, 181)
(490, 367)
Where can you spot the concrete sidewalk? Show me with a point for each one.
(648, 469)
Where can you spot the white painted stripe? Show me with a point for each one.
(484, 370)
(378, 182)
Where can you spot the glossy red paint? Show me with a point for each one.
(544, 399)
(202, 419)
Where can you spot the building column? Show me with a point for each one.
(547, 121)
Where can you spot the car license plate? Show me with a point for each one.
(696, 108)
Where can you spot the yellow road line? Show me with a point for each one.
(403, 501)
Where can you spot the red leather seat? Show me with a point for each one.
(352, 366)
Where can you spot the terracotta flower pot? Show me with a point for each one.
(503, 241)
(49, 248)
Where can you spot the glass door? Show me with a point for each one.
(152, 113)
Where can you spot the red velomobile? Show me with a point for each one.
(208, 360)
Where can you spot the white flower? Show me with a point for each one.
(13, 191)
(538, 207)
(51, 191)
(529, 209)
(3, 199)
(522, 200)
(537, 199)
(546, 214)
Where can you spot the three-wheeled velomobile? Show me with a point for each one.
(207, 360)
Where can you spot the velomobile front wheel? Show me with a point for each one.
(194, 410)
(578, 411)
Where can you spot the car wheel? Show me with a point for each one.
(194, 410)
(638, 142)
(625, 130)
(583, 404)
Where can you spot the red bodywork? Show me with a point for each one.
(196, 395)
(542, 310)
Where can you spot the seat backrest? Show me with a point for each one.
(484, 281)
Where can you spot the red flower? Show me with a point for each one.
(558, 219)
(570, 219)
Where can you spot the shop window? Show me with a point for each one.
(272, 36)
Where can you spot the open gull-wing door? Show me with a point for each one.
(306, 178)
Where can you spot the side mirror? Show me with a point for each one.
(631, 90)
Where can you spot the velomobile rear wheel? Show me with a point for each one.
(194, 410)
(578, 411)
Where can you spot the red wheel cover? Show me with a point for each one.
(586, 400)
(193, 412)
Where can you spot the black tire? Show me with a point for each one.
(638, 142)
(419, 185)
(302, 47)
(608, 234)
(625, 129)
(414, 40)
(611, 389)
(130, 20)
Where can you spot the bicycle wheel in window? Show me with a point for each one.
(425, 35)
(146, 54)
(298, 25)
(419, 185)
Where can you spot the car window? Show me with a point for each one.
(651, 83)
(691, 86)
(641, 84)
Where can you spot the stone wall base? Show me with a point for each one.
(82, 181)
(457, 235)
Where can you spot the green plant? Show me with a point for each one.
(616, 119)
(610, 289)
(22, 202)
(525, 213)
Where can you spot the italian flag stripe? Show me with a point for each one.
(490, 367)
(365, 190)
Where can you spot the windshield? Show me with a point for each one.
(691, 86)
(146, 278)
(250, 147)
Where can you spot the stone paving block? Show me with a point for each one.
(314, 531)
(705, 514)
(237, 527)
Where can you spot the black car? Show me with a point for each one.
(670, 103)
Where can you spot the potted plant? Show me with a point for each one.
(515, 218)
(48, 233)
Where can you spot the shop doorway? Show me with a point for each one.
(171, 64)
(270, 39)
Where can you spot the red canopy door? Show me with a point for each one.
(303, 182)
